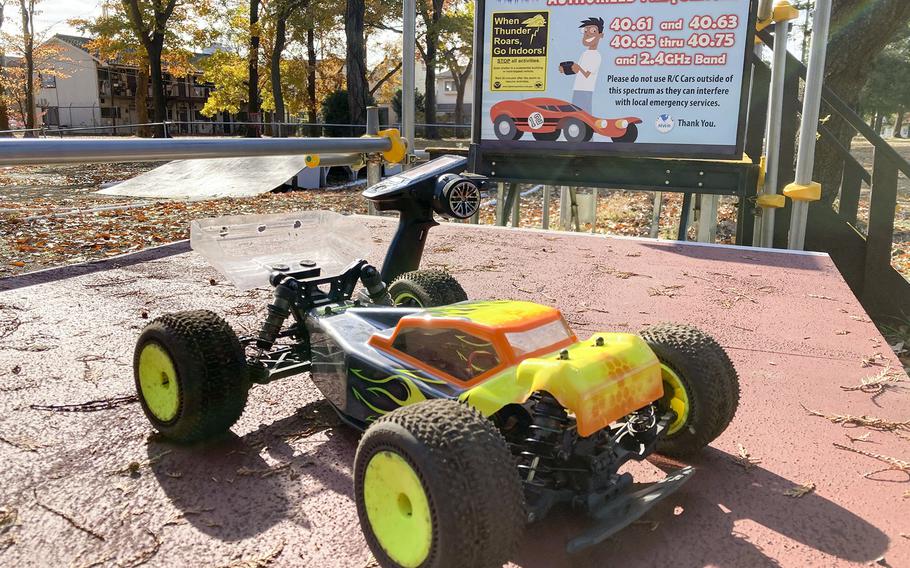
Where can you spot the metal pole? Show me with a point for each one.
(655, 214)
(773, 129)
(374, 160)
(805, 157)
(545, 219)
(500, 200)
(515, 189)
(36, 152)
(408, 55)
(594, 196)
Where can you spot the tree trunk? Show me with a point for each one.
(311, 79)
(159, 101)
(254, 104)
(850, 47)
(898, 124)
(142, 101)
(4, 111)
(356, 61)
(28, 52)
(879, 119)
(461, 83)
(432, 41)
(281, 28)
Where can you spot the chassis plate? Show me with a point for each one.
(627, 508)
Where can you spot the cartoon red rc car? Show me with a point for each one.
(547, 118)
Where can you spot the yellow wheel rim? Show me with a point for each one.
(407, 299)
(398, 509)
(158, 382)
(675, 393)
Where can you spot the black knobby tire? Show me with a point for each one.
(468, 473)
(505, 128)
(710, 381)
(575, 130)
(427, 288)
(546, 136)
(630, 136)
(211, 373)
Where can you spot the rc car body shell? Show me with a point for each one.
(360, 366)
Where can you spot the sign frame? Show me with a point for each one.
(480, 148)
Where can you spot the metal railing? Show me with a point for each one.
(862, 254)
(34, 152)
(237, 128)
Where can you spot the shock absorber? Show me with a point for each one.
(540, 447)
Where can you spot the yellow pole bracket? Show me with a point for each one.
(774, 200)
(784, 11)
(399, 148)
(811, 191)
(762, 171)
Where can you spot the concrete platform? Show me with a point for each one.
(93, 488)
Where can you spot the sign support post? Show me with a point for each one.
(804, 189)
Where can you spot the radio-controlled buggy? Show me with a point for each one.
(478, 416)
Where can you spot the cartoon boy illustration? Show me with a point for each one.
(585, 69)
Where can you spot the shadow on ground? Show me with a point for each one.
(720, 495)
(229, 490)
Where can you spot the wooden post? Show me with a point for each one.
(655, 214)
(500, 198)
(881, 224)
(515, 191)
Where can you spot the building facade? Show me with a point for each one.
(99, 97)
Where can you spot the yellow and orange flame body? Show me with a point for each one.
(599, 380)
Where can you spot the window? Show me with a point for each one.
(569, 108)
(449, 87)
(452, 351)
(110, 112)
(539, 338)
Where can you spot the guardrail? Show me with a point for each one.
(34, 152)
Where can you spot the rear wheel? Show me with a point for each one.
(547, 136)
(577, 131)
(190, 374)
(700, 385)
(436, 486)
(505, 128)
(631, 135)
(426, 288)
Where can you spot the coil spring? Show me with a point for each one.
(538, 449)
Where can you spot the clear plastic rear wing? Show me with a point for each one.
(247, 248)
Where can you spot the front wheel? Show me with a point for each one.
(700, 385)
(631, 135)
(190, 373)
(577, 131)
(426, 289)
(436, 486)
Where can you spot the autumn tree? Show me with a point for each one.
(27, 10)
(282, 11)
(356, 69)
(150, 21)
(457, 49)
(254, 102)
(431, 12)
(4, 110)
(886, 91)
(860, 30)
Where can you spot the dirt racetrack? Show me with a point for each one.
(96, 488)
